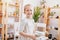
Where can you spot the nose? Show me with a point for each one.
(29, 12)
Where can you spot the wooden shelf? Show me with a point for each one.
(16, 5)
(55, 7)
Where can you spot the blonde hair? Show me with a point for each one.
(26, 6)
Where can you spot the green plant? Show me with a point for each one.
(36, 13)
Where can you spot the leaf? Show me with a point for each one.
(36, 14)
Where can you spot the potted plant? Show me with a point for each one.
(36, 13)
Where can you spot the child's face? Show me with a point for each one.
(28, 11)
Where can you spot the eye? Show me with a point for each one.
(30, 10)
(27, 10)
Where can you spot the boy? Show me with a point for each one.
(27, 25)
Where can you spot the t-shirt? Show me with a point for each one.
(27, 25)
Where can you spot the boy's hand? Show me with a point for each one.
(33, 37)
(28, 35)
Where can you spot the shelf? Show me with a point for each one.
(16, 5)
(10, 16)
(55, 7)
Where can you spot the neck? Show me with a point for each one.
(29, 17)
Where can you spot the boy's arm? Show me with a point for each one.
(28, 35)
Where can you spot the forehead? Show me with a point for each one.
(28, 7)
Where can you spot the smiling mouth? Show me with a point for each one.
(29, 14)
